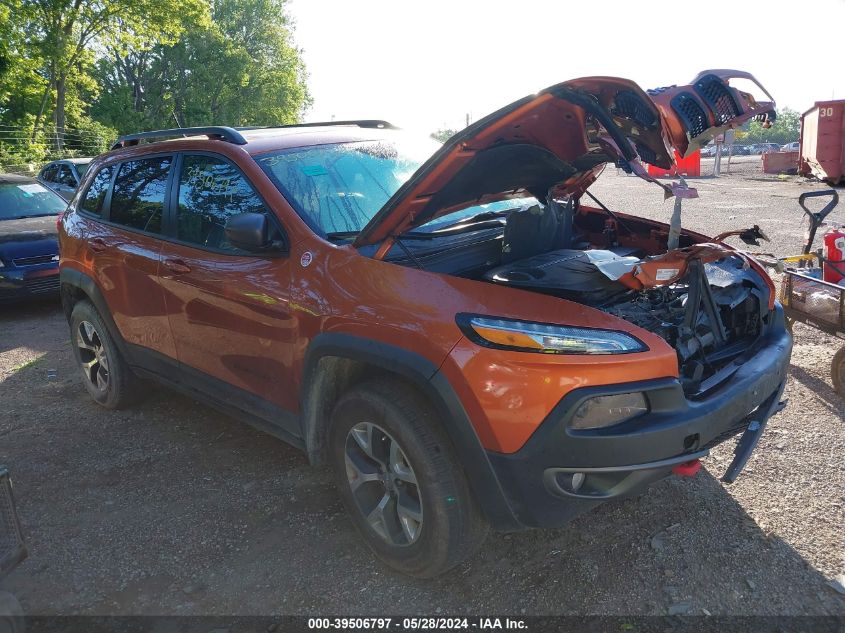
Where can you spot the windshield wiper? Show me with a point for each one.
(342, 235)
(346, 235)
(26, 217)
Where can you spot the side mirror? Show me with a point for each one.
(249, 231)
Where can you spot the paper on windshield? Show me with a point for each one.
(31, 188)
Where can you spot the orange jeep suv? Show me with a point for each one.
(452, 329)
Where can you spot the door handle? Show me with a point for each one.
(97, 244)
(176, 266)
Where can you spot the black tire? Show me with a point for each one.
(105, 374)
(837, 372)
(451, 526)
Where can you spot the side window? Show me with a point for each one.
(49, 174)
(96, 194)
(66, 176)
(137, 199)
(211, 190)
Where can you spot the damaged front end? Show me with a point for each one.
(536, 160)
(711, 315)
(709, 302)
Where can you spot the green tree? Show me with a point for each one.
(66, 32)
(242, 69)
(20, 87)
(443, 134)
(6, 32)
(784, 130)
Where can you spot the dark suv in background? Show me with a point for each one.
(64, 176)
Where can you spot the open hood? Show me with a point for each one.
(559, 140)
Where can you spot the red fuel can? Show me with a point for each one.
(834, 251)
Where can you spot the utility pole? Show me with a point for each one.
(730, 135)
(717, 164)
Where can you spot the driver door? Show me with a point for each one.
(228, 309)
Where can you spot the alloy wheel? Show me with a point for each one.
(92, 356)
(383, 483)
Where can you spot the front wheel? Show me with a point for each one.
(400, 481)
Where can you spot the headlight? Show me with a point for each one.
(546, 338)
(603, 411)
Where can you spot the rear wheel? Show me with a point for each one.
(105, 374)
(398, 478)
(837, 371)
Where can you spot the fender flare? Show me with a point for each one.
(85, 283)
(434, 385)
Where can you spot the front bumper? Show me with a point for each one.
(624, 459)
(29, 282)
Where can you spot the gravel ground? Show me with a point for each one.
(172, 508)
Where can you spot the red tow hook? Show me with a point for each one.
(687, 469)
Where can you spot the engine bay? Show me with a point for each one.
(704, 299)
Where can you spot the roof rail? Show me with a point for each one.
(366, 123)
(228, 134)
(375, 123)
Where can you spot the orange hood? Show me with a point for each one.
(558, 141)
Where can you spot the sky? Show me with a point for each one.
(425, 65)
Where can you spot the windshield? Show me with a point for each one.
(338, 188)
(28, 200)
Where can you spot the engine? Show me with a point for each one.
(710, 314)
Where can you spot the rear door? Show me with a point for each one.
(122, 215)
(229, 309)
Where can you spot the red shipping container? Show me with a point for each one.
(823, 141)
(689, 166)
